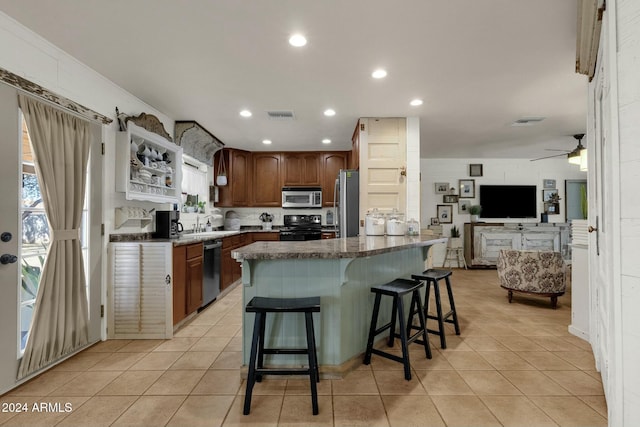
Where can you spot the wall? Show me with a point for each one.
(495, 172)
(628, 63)
(30, 56)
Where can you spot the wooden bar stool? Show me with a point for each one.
(432, 277)
(397, 289)
(261, 306)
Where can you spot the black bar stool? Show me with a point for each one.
(397, 289)
(433, 276)
(261, 306)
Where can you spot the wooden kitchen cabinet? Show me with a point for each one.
(187, 280)
(354, 158)
(301, 168)
(328, 235)
(267, 188)
(237, 192)
(332, 162)
(194, 277)
(231, 269)
(264, 236)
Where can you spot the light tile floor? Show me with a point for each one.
(513, 365)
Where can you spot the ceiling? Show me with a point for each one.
(477, 65)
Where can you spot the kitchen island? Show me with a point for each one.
(341, 272)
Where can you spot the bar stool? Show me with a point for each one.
(397, 289)
(261, 306)
(454, 254)
(433, 276)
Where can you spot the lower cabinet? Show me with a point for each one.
(328, 235)
(140, 291)
(483, 241)
(187, 274)
(231, 269)
(264, 236)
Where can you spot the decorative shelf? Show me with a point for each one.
(125, 214)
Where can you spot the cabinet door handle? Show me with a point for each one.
(167, 279)
(591, 229)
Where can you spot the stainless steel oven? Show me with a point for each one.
(301, 197)
(301, 227)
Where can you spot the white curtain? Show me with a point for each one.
(60, 144)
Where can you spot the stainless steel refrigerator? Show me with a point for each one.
(346, 203)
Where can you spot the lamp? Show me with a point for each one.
(576, 155)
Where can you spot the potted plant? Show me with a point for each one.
(201, 207)
(475, 210)
(267, 220)
(455, 241)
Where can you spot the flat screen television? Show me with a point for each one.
(508, 201)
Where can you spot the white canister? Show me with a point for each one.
(396, 225)
(374, 223)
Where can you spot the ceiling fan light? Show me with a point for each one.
(583, 160)
(574, 157)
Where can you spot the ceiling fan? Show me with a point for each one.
(569, 153)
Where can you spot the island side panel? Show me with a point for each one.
(344, 285)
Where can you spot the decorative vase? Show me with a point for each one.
(475, 218)
(267, 225)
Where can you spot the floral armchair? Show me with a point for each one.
(540, 273)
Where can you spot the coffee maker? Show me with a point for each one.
(168, 225)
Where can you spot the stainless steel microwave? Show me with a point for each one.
(301, 197)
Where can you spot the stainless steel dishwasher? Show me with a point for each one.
(211, 271)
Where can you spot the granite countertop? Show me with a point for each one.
(349, 247)
(187, 238)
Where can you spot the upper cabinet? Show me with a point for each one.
(301, 168)
(354, 159)
(331, 165)
(256, 178)
(267, 188)
(237, 191)
(148, 167)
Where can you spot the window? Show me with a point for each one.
(36, 236)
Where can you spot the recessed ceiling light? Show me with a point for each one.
(326, 141)
(266, 141)
(416, 102)
(379, 74)
(329, 112)
(245, 113)
(297, 40)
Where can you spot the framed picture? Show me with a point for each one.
(435, 221)
(463, 206)
(475, 169)
(445, 214)
(442, 187)
(548, 183)
(547, 195)
(450, 198)
(467, 188)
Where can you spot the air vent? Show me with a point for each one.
(281, 115)
(527, 121)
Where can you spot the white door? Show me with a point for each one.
(10, 165)
(601, 203)
(22, 217)
(383, 154)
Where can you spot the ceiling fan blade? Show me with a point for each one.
(548, 157)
